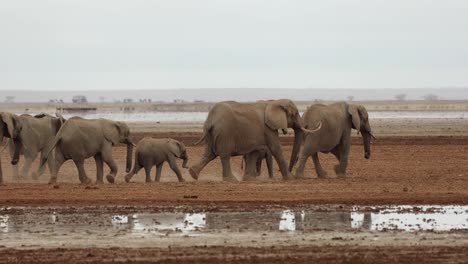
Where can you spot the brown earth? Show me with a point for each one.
(402, 170)
(226, 254)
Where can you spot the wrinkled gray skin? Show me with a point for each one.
(233, 129)
(79, 139)
(10, 127)
(258, 157)
(155, 151)
(36, 133)
(335, 135)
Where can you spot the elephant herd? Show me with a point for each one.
(231, 129)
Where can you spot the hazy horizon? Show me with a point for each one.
(239, 94)
(124, 45)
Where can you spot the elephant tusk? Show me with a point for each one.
(305, 130)
(373, 136)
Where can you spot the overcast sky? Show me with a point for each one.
(115, 44)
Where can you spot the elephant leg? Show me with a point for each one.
(81, 172)
(158, 171)
(59, 160)
(269, 163)
(28, 160)
(106, 154)
(40, 169)
(11, 147)
(321, 173)
(227, 172)
(136, 168)
(250, 166)
(173, 164)
(147, 168)
(307, 151)
(342, 155)
(99, 169)
(258, 166)
(208, 156)
(277, 152)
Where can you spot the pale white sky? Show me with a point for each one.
(137, 44)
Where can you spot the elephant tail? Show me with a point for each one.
(49, 149)
(200, 140)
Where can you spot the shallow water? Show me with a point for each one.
(201, 116)
(404, 218)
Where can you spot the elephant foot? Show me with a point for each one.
(322, 175)
(86, 181)
(149, 181)
(100, 182)
(128, 177)
(35, 176)
(181, 180)
(230, 179)
(110, 178)
(52, 181)
(288, 177)
(339, 172)
(249, 178)
(193, 173)
(299, 175)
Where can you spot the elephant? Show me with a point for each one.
(234, 128)
(10, 127)
(37, 132)
(155, 151)
(338, 120)
(79, 139)
(258, 156)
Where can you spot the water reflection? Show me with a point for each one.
(158, 223)
(405, 218)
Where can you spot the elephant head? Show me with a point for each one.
(360, 122)
(283, 114)
(118, 132)
(178, 149)
(10, 126)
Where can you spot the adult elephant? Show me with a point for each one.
(79, 139)
(335, 136)
(37, 132)
(233, 128)
(10, 127)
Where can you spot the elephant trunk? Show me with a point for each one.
(16, 153)
(129, 156)
(366, 139)
(298, 134)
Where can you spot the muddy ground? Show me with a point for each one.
(408, 170)
(403, 170)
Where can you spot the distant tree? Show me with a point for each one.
(400, 97)
(431, 97)
(9, 99)
(350, 98)
(102, 99)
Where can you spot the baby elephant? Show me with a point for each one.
(155, 151)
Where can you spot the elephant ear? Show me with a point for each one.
(111, 132)
(275, 116)
(176, 148)
(12, 123)
(355, 118)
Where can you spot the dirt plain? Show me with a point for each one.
(427, 164)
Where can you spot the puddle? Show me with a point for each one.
(37, 225)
